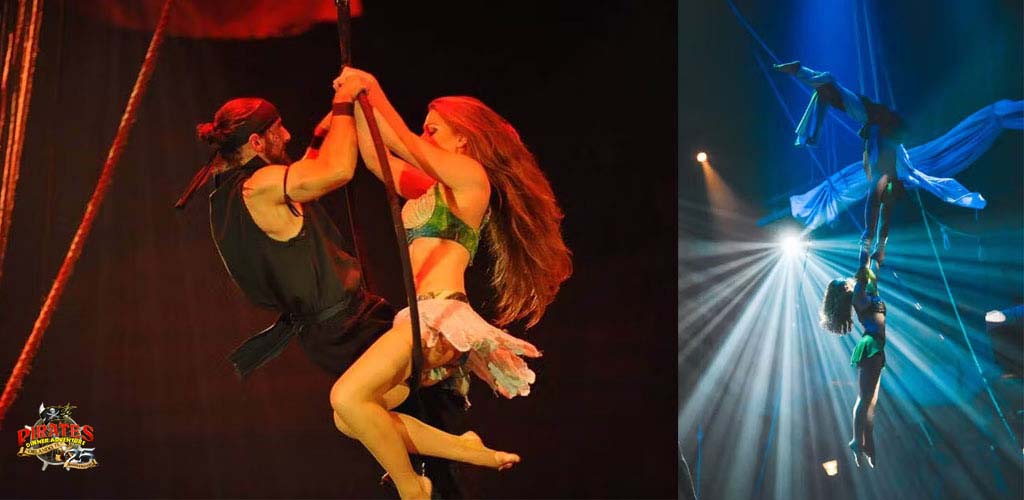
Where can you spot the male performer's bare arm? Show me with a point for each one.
(311, 178)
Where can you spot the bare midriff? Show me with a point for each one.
(438, 265)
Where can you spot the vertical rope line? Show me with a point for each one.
(856, 43)
(963, 329)
(24, 363)
(871, 49)
(10, 58)
(22, 51)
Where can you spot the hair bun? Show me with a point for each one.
(209, 134)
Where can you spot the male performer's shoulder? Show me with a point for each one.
(265, 186)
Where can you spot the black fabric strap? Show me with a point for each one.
(288, 199)
(344, 108)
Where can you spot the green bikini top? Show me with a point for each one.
(430, 217)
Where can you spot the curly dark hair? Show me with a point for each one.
(836, 308)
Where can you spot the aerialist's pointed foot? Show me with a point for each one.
(857, 450)
(505, 460)
(494, 459)
(789, 68)
(870, 460)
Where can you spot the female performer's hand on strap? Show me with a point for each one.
(458, 171)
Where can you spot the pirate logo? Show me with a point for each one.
(56, 439)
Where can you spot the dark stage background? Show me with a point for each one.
(139, 341)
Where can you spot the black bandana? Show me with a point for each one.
(258, 122)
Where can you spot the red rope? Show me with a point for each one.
(14, 108)
(21, 368)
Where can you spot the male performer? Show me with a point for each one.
(284, 252)
(882, 130)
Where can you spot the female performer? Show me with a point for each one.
(469, 173)
(860, 295)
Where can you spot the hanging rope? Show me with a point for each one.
(24, 363)
(416, 356)
(21, 48)
(856, 43)
(345, 45)
(960, 321)
(871, 49)
(750, 29)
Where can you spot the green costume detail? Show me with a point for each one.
(430, 217)
(866, 347)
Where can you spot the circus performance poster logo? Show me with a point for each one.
(56, 439)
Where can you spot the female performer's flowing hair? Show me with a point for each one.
(530, 259)
(836, 307)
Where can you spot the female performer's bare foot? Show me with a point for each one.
(487, 457)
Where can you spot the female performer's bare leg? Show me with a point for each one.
(360, 399)
(864, 408)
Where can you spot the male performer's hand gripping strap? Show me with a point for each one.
(344, 36)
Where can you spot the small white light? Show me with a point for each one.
(995, 316)
(831, 467)
(702, 157)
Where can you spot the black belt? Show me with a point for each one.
(268, 344)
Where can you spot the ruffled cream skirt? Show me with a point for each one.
(489, 352)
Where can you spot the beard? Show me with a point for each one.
(277, 155)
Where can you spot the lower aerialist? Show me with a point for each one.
(860, 294)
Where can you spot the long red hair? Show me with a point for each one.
(530, 259)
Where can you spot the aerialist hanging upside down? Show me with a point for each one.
(467, 174)
(860, 294)
(882, 131)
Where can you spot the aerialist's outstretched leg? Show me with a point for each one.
(864, 409)
(825, 85)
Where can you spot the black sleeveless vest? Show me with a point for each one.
(310, 279)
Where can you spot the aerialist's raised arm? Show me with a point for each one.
(457, 171)
(314, 175)
(865, 279)
(410, 181)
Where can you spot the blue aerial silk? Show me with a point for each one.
(929, 166)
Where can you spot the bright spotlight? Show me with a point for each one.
(793, 244)
(831, 467)
(995, 317)
(702, 157)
